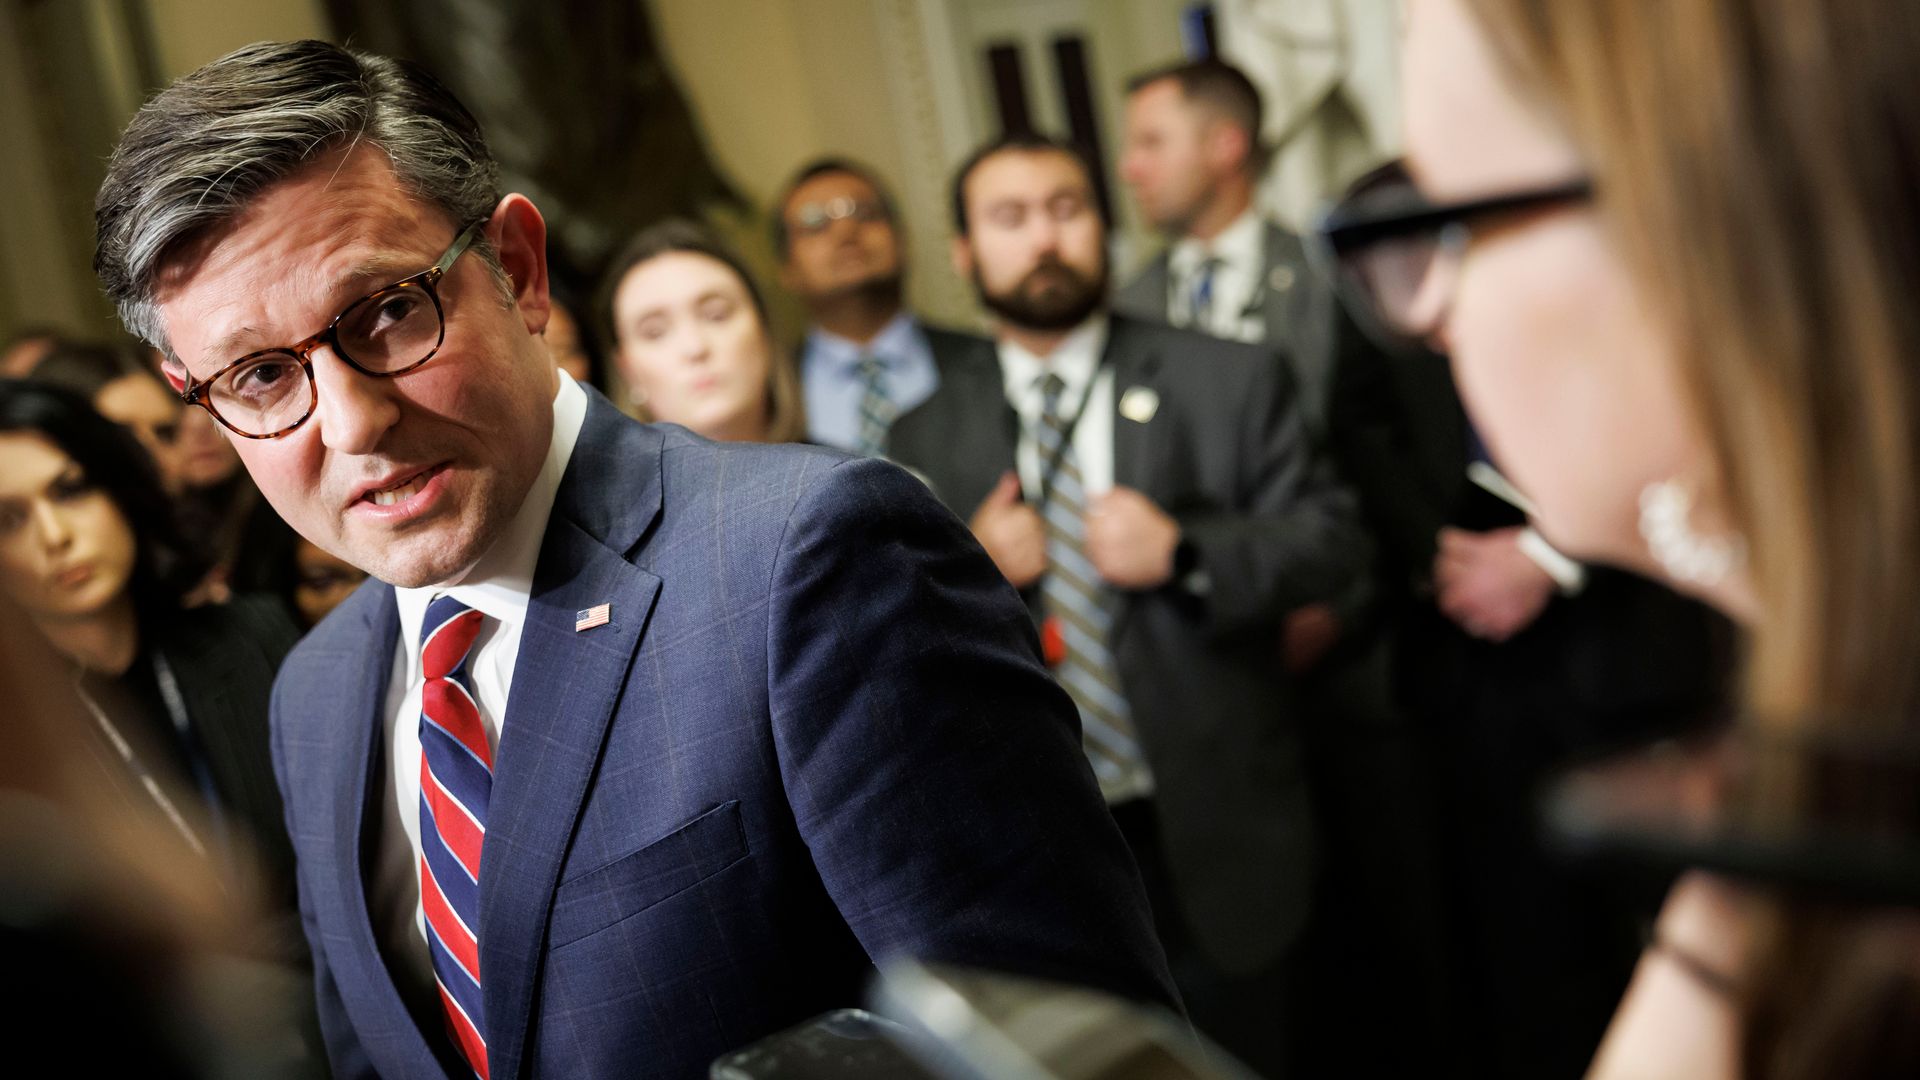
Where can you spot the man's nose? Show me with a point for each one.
(354, 410)
(843, 228)
(1044, 238)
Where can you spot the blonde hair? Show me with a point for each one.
(1758, 163)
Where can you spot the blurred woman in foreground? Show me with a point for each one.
(693, 342)
(1673, 250)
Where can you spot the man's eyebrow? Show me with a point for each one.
(368, 276)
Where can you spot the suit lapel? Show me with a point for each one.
(972, 432)
(1136, 368)
(565, 686)
(1280, 288)
(360, 682)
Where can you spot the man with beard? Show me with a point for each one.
(865, 359)
(1155, 495)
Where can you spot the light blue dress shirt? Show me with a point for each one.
(830, 377)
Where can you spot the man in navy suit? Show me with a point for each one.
(639, 747)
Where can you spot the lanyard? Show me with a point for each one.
(1052, 467)
(139, 770)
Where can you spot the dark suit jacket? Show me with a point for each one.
(224, 657)
(1227, 455)
(1296, 304)
(1623, 660)
(815, 735)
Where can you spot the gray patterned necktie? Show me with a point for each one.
(1081, 607)
(877, 410)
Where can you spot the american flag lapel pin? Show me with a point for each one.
(588, 618)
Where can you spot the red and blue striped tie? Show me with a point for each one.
(456, 777)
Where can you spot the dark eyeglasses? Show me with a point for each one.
(817, 217)
(1397, 256)
(388, 332)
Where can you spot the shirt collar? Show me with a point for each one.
(1075, 360)
(1237, 245)
(498, 585)
(890, 346)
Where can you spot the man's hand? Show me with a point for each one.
(1130, 540)
(1487, 584)
(1012, 533)
(1307, 636)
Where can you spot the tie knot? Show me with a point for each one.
(446, 636)
(870, 367)
(1051, 387)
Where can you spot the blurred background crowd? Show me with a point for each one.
(765, 225)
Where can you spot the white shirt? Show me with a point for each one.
(1075, 360)
(1241, 251)
(497, 586)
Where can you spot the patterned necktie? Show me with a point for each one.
(1081, 607)
(456, 778)
(876, 408)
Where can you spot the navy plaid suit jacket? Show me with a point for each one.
(815, 735)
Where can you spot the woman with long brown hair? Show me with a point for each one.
(693, 341)
(1673, 250)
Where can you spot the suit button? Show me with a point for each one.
(1281, 279)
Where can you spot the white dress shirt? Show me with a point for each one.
(1241, 251)
(1076, 360)
(497, 586)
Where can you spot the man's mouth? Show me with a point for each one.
(398, 492)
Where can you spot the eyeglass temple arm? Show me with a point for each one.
(460, 244)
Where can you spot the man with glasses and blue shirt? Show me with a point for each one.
(638, 747)
(866, 359)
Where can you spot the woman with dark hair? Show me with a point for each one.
(692, 339)
(247, 547)
(125, 391)
(178, 698)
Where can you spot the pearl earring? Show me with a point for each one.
(1686, 556)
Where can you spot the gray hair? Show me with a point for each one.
(204, 147)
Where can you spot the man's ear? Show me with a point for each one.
(519, 234)
(961, 252)
(174, 372)
(1229, 148)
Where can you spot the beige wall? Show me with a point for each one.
(888, 82)
(42, 278)
(71, 75)
(773, 83)
(188, 33)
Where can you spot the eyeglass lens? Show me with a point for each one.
(386, 332)
(815, 217)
